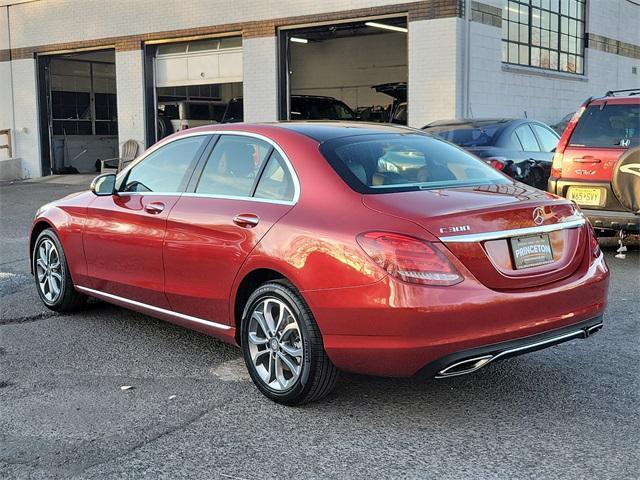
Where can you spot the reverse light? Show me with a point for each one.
(409, 259)
(558, 156)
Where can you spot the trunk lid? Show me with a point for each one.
(477, 224)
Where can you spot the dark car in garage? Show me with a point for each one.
(523, 149)
(303, 107)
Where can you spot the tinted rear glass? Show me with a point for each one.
(319, 109)
(611, 126)
(385, 163)
(467, 135)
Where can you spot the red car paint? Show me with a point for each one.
(186, 263)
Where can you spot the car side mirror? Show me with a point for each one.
(104, 185)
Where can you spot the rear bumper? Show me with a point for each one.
(606, 220)
(472, 360)
(608, 216)
(395, 329)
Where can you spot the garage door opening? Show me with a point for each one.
(345, 71)
(193, 83)
(78, 113)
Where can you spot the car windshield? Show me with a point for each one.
(382, 163)
(467, 135)
(613, 125)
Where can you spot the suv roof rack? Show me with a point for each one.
(612, 93)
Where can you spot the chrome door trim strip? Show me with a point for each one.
(161, 143)
(518, 232)
(181, 316)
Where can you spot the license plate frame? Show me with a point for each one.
(531, 251)
(590, 196)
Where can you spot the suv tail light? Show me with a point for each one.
(409, 259)
(558, 156)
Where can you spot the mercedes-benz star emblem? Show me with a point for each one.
(538, 215)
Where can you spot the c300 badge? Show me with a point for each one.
(455, 229)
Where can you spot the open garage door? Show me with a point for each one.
(193, 83)
(338, 71)
(78, 115)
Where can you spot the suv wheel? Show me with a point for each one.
(282, 346)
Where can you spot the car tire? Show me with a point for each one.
(280, 341)
(51, 273)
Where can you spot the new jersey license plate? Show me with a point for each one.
(585, 196)
(531, 251)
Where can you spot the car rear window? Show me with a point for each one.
(614, 125)
(382, 163)
(467, 135)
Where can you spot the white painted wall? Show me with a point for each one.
(260, 83)
(346, 68)
(130, 91)
(6, 97)
(26, 133)
(619, 19)
(435, 70)
(546, 96)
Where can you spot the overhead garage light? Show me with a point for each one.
(299, 40)
(384, 26)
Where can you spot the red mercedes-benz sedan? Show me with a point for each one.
(320, 247)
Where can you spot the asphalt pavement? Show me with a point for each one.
(567, 412)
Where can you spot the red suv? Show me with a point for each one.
(586, 165)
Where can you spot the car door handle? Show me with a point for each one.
(154, 207)
(587, 159)
(246, 220)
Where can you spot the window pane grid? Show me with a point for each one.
(546, 34)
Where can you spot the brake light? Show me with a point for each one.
(409, 259)
(496, 162)
(558, 156)
(594, 246)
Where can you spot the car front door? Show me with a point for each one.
(241, 188)
(124, 232)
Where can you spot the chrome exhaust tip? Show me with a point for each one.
(593, 329)
(463, 367)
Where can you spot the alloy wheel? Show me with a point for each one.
(49, 271)
(275, 344)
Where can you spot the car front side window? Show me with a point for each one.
(164, 170)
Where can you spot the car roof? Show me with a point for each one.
(318, 130)
(478, 122)
(322, 131)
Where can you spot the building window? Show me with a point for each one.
(547, 34)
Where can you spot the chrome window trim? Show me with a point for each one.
(292, 171)
(518, 232)
(170, 313)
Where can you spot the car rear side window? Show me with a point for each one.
(527, 139)
(233, 166)
(611, 125)
(385, 163)
(275, 182)
(548, 138)
(164, 169)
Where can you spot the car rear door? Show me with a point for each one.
(242, 187)
(124, 233)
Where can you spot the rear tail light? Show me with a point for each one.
(409, 259)
(594, 246)
(558, 156)
(496, 162)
